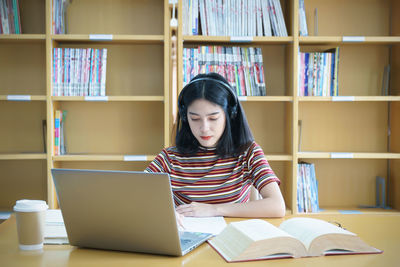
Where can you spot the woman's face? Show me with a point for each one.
(207, 122)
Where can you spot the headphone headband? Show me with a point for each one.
(233, 109)
(210, 79)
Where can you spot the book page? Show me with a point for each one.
(54, 230)
(257, 229)
(307, 229)
(212, 225)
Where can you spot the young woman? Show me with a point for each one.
(216, 160)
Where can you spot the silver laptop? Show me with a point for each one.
(122, 210)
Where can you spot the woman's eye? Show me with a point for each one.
(194, 119)
(213, 119)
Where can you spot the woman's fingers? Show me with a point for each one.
(179, 219)
(196, 209)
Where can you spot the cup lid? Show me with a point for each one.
(28, 205)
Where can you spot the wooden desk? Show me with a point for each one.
(380, 231)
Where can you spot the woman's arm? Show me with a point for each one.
(272, 205)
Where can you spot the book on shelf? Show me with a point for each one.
(241, 66)
(10, 21)
(318, 73)
(59, 13)
(79, 71)
(233, 18)
(307, 188)
(59, 132)
(295, 238)
(303, 30)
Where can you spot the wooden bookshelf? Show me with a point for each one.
(23, 156)
(198, 39)
(109, 98)
(128, 127)
(104, 158)
(134, 118)
(343, 134)
(346, 137)
(23, 97)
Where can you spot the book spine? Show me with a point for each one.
(195, 61)
(87, 72)
(98, 71)
(252, 73)
(54, 74)
(305, 188)
(302, 19)
(336, 71)
(73, 70)
(91, 71)
(261, 67)
(265, 16)
(236, 70)
(196, 17)
(10, 16)
(4, 17)
(272, 17)
(230, 73)
(188, 8)
(221, 61)
(281, 19)
(82, 73)
(63, 149)
(246, 70)
(300, 198)
(56, 71)
(207, 8)
(79, 72)
(203, 20)
(185, 65)
(191, 61)
(242, 71)
(104, 72)
(315, 188)
(56, 132)
(60, 71)
(310, 74)
(65, 67)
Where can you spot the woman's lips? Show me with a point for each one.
(205, 137)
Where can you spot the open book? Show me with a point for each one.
(297, 237)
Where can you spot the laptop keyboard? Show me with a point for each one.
(189, 239)
(185, 241)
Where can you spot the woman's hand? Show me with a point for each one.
(196, 209)
(179, 219)
(272, 205)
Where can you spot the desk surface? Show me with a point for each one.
(380, 231)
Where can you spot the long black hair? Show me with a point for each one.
(237, 136)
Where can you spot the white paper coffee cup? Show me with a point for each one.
(30, 215)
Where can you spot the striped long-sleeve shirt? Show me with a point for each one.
(205, 177)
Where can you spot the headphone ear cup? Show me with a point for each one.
(233, 112)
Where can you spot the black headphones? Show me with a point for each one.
(232, 109)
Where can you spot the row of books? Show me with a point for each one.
(59, 11)
(241, 66)
(307, 188)
(79, 71)
(10, 22)
(233, 18)
(59, 136)
(318, 73)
